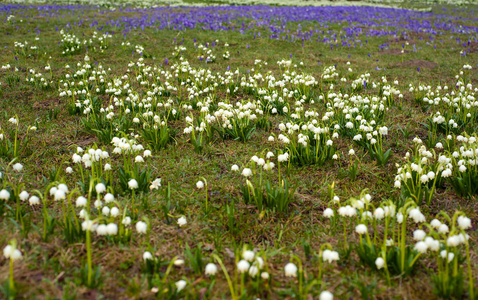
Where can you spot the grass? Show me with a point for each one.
(52, 268)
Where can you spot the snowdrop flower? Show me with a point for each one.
(379, 262)
(248, 255)
(243, 266)
(59, 195)
(11, 253)
(326, 295)
(133, 184)
(235, 168)
(147, 256)
(34, 200)
(126, 221)
(351, 152)
(141, 227)
(330, 256)
(109, 198)
(419, 235)
(111, 229)
(179, 262)
(443, 228)
(253, 271)
(379, 213)
(290, 270)
(24, 195)
(211, 269)
(328, 213)
(81, 201)
(180, 285)
(450, 255)
(464, 222)
(107, 167)
(105, 210)
(432, 244)
(265, 275)
(182, 221)
(199, 184)
(114, 212)
(17, 167)
(435, 223)
(100, 188)
(421, 247)
(139, 159)
(147, 153)
(69, 170)
(361, 229)
(246, 172)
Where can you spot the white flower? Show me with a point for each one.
(100, 188)
(34, 200)
(182, 221)
(141, 227)
(421, 247)
(81, 201)
(133, 184)
(435, 223)
(211, 269)
(139, 159)
(351, 152)
(379, 262)
(109, 198)
(330, 256)
(180, 285)
(24, 195)
(114, 212)
(111, 229)
(11, 253)
(243, 266)
(379, 213)
(235, 168)
(246, 172)
(147, 255)
(450, 255)
(253, 271)
(265, 275)
(443, 228)
(126, 221)
(326, 295)
(328, 213)
(105, 210)
(179, 262)
(361, 229)
(147, 153)
(248, 255)
(464, 222)
(199, 184)
(419, 235)
(290, 270)
(17, 167)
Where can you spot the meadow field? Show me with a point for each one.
(235, 152)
